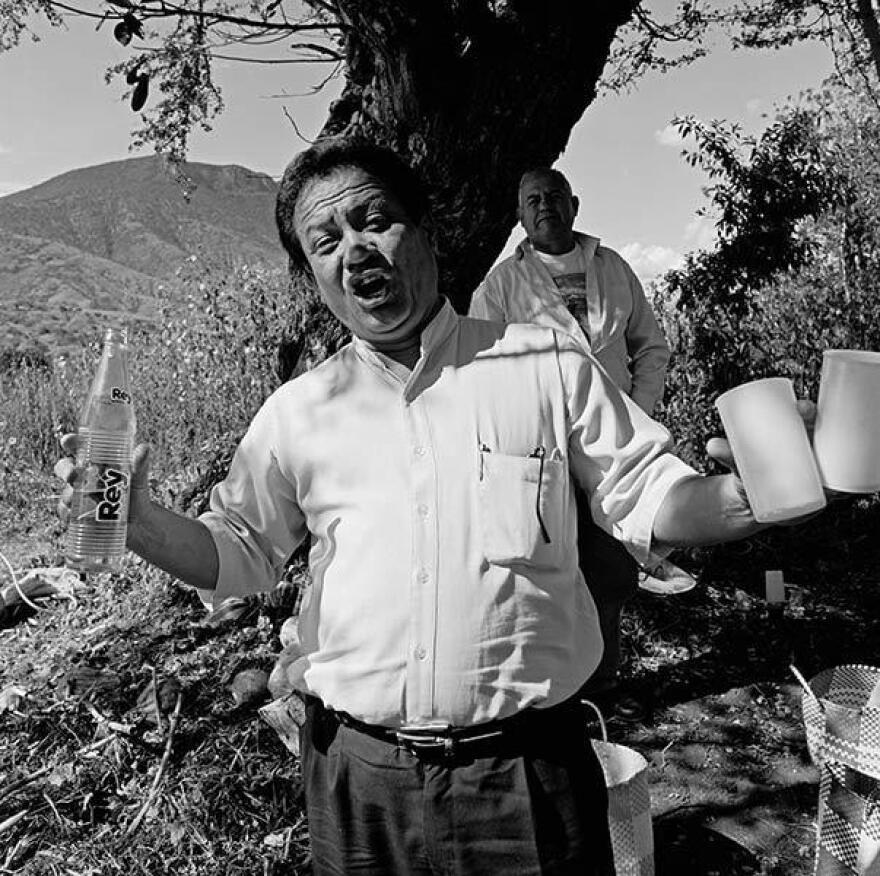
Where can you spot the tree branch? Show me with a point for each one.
(864, 11)
(170, 10)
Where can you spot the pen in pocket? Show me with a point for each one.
(539, 453)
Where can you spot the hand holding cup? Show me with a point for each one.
(767, 433)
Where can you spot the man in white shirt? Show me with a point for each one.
(563, 279)
(447, 627)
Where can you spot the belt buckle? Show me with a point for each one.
(419, 743)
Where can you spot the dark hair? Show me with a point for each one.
(327, 155)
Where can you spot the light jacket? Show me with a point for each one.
(623, 333)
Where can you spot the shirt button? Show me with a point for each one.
(423, 510)
(420, 653)
(422, 577)
(419, 451)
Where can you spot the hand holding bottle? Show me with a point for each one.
(139, 496)
(98, 504)
(106, 501)
(180, 545)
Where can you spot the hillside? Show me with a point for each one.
(102, 238)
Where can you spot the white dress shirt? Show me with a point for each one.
(444, 579)
(619, 327)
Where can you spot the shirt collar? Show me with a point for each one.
(586, 242)
(434, 335)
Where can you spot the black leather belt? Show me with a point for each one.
(506, 736)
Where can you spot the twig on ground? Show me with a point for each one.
(12, 820)
(154, 788)
(26, 780)
(155, 692)
(104, 721)
(48, 799)
(15, 584)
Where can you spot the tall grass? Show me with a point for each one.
(199, 374)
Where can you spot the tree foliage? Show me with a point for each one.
(849, 27)
(796, 266)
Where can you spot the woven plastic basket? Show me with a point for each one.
(841, 709)
(629, 804)
(848, 823)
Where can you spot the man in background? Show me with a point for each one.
(563, 279)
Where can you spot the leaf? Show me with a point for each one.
(249, 686)
(122, 33)
(141, 91)
(11, 698)
(133, 25)
(176, 833)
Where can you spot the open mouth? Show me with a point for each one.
(371, 288)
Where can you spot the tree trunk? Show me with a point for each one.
(864, 11)
(472, 93)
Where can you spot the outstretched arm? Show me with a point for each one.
(704, 510)
(709, 510)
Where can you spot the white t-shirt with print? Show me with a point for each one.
(568, 271)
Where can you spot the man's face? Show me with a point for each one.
(547, 210)
(374, 267)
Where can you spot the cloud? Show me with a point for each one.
(755, 106)
(699, 233)
(650, 261)
(669, 136)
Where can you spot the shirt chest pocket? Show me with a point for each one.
(522, 508)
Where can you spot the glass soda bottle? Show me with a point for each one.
(99, 507)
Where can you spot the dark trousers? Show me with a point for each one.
(375, 808)
(612, 578)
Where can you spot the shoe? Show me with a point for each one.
(665, 579)
(629, 708)
(617, 702)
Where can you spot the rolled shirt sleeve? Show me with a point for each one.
(617, 453)
(254, 517)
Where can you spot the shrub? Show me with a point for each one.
(199, 373)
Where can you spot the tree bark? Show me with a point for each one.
(864, 10)
(472, 93)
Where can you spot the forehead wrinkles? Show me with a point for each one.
(543, 183)
(322, 196)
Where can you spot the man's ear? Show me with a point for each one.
(575, 203)
(428, 226)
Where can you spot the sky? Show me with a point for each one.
(623, 158)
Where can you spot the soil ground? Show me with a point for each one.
(212, 790)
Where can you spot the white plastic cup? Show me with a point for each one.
(846, 439)
(771, 448)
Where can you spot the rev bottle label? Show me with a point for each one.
(112, 490)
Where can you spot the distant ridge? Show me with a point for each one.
(101, 238)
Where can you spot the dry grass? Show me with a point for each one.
(90, 782)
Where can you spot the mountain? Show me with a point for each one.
(101, 239)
